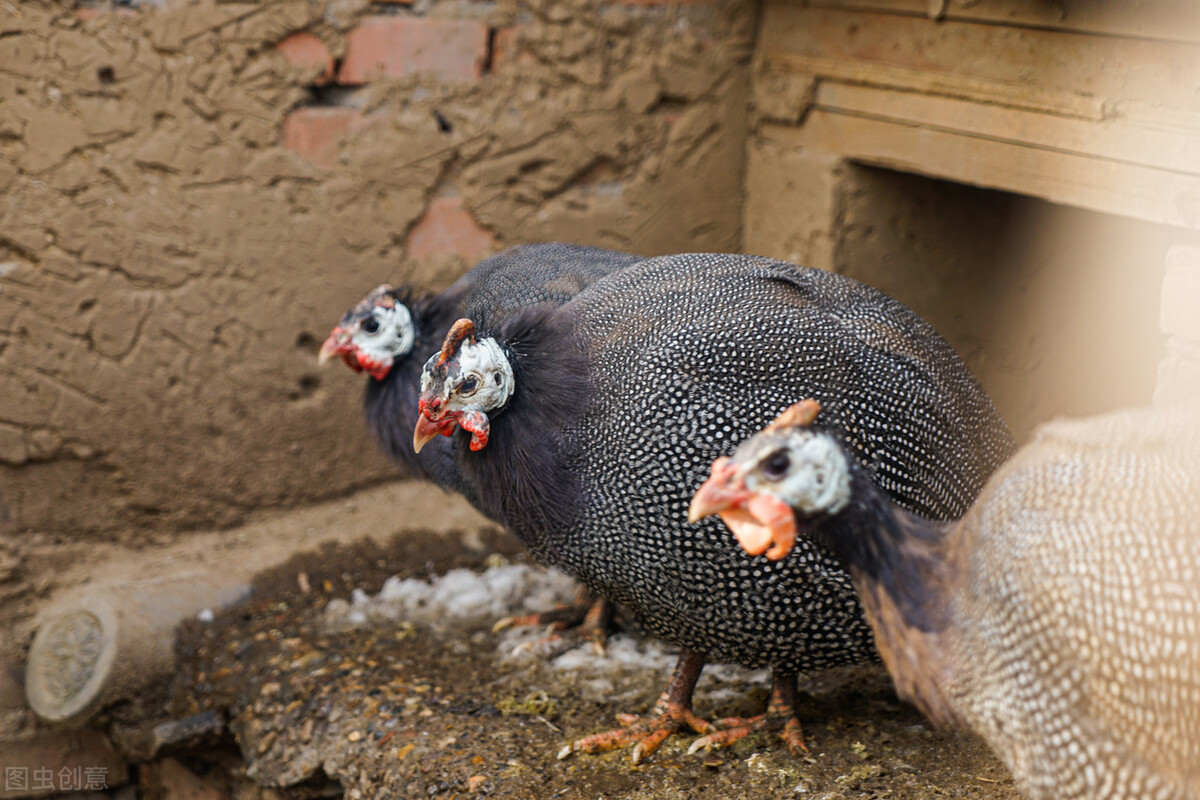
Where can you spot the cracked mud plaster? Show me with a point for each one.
(168, 268)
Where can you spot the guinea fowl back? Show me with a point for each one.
(528, 275)
(688, 355)
(1079, 633)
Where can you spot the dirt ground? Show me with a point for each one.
(419, 710)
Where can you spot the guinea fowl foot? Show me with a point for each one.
(584, 620)
(672, 713)
(780, 717)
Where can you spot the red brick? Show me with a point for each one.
(306, 51)
(87, 13)
(314, 132)
(448, 228)
(506, 49)
(396, 47)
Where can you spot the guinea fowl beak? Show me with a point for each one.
(430, 423)
(722, 491)
(424, 432)
(761, 522)
(338, 343)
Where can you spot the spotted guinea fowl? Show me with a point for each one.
(593, 423)
(1060, 618)
(388, 334)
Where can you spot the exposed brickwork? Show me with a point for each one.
(397, 47)
(506, 48)
(448, 228)
(88, 13)
(310, 53)
(314, 132)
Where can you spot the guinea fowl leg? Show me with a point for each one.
(780, 716)
(671, 713)
(590, 621)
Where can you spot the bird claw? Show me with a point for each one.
(646, 734)
(578, 623)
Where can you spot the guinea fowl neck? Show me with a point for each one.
(391, 403)
(906, 570)
(524, 477)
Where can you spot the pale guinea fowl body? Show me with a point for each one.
(1059, 618)
(1077, 647)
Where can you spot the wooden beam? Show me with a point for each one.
(1043, 63)
(1064, 103)
(1099, 184)
(1165, 20)
(1175, 148)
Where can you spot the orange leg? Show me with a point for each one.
(780, 717)
(672, 713)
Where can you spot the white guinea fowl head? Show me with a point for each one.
(460, 385)
(373, 334)
(784, 469)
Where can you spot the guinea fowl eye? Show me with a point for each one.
(777, 464)
(468, 386)
(370, 325)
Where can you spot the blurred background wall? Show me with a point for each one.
(192, 194)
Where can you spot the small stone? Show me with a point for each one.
(354, 736)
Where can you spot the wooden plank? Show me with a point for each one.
(1111, 187)
(1109, 69)
(1165, 20)
(1068, 104)
(1168, 148)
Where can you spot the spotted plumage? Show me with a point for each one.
(661, 368)
(1060, 618)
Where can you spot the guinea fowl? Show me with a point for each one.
(383, 334)
(593, 423)
(1060, 618)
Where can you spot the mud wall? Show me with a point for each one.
(193, 193)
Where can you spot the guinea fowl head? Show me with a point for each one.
(373, 334)
(460, 385)
(787, 469)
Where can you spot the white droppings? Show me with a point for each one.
(460, 596)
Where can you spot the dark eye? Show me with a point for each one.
(497, 377)
(370, 325)
(777, 464)
(468, 386)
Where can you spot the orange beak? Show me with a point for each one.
(722, 491)
(761, 522)
(426, 430)
(338, 343)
